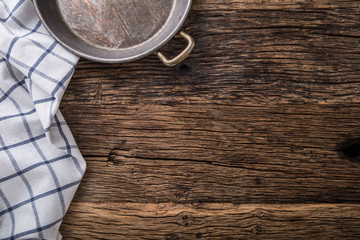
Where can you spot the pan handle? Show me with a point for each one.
(182, 56)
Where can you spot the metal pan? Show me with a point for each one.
(116, 30)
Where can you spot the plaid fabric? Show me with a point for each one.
(40, 164)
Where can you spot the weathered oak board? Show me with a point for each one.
(255, 136)
(212, 221)
(249, 56)
(287, 153)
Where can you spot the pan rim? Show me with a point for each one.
(149, 50)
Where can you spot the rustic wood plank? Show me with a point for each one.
(304, 55)
(155, 153)
(211, 221)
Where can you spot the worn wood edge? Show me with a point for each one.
(112, 220)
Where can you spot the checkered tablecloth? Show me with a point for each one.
(40, 164)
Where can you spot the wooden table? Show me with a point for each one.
(255, 136)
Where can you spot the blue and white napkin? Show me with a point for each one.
(40, 164)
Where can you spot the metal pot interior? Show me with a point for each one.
(113, 30)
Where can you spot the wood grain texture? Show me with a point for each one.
(255, 136)
(288, 153)
(213, 221)
(303, 55)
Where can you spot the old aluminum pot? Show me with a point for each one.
(116, 31)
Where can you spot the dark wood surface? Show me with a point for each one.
(255, 136)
